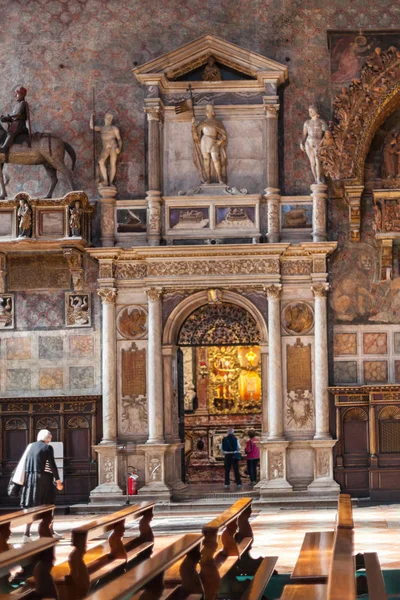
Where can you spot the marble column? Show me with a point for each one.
(170, 394)
(319, 197)
(320, 291)
(272, 193)
(264, 389)
(275, 393)
(109, 388)
(154, 367)
(153, 195)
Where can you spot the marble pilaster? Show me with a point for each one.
(154, 367)
(109, 387)
(319, 197)
(320, 291)
(153, 194)
(275, 390)
(323, 469)
(107, 214)
(273, 469)
(170, 393)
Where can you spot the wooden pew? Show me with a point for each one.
(25, 517)
(376, 584)
(315, 556)
(38, 557)
(148, 576)
(84, 568)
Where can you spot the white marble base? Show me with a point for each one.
(323, 469)
(108, 488)
(156, 467)
(273, 469)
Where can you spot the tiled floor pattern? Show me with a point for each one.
(277, 532)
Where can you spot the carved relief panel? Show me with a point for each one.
(299, 386)
(133, 413)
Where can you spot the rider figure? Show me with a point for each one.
(17, 119)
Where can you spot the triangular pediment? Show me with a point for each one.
(189, 58)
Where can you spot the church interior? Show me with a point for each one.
(200, 300)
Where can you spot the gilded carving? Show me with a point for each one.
(78, 422)
(133, 371)
(73, 257)
(215, 267)
(275, 465)
(106, 270)
(132, 322)
(131, 271)
(108, 295)
(297, 318)
(77, 310)
(296, 267)
(6, 311)
(319, 265)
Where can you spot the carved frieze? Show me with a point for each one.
(132, 322)
(131, 271)
(262, 266)
(296, 267)
(78, 310)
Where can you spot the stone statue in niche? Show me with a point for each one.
(111, 148)
(24, 218)
(390, 153)
(211, 71)
(313, 133)
(75, 215)
(6, 312)
(210, 140)
(77, 310)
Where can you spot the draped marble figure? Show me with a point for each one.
(210, 140)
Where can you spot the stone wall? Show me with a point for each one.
(60, 49)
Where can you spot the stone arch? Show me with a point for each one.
(195, 301)
(358, 112)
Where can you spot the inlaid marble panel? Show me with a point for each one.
(396, 340)
(375, 371)
(18, 379)
(18, 348)
(397, 371)
(81, 345)
(345, 344)
(51, 347)
(51, 379)
(375, 343)
(345, 372)
(81, 377)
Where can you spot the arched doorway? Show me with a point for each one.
(219, 377)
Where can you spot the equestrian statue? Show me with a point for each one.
(20, 147)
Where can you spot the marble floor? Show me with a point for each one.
(276, 532)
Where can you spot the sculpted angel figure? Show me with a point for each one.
(210, 140)
(313, 133)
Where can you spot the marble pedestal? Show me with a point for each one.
(273, 469)
(155, 467)
(108, 490)
(107, 213)
(323, 483)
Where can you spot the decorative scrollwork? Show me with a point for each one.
(14, 424)
(78, 423)
(389, 413)
(46, 423)
(355, 414)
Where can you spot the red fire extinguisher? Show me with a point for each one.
(131, 484)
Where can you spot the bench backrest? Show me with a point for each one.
(345, 512)
(342, 580)
(24, 555)
(148, 574)
(24, 517)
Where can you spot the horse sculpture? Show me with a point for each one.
(46, 149)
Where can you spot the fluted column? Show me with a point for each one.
(320, 291)
(272, 192)
(319, 198)
(109, 389)
(275, 395)
(154, 367)
(154, 176)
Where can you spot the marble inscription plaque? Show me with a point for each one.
(38, 273)
(18, 348)
(6, 223)
(81, 377)
(299, 367)
(51, 223)
(133, 371)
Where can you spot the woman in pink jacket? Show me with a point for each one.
(252, 456)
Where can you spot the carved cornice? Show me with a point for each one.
(273, 291)
(108, 295)
(357, 114)
(320, 290)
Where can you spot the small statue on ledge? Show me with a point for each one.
(112, 146)
(75, 219)
(313, 133)
(24, 218)
(211, 71)
(210, 139)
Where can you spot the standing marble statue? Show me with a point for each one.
(210, 139)
(313, 132)
(24, 218)
(75, 214)
(112, 146)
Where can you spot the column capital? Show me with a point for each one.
(108, 295)
(273, 291)
(320, 290)
(154, 294)
(154, 113)
(271, 111)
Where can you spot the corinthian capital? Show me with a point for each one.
(154, 294)
(272, 111)
(320, 290)
(108, 295)
(154, 113)
(273, 291)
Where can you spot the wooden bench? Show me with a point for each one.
(341, 584)
(315, 556)
(148, 576)
(25, 517)
(84, 568)
(376, 584)
(37, 558)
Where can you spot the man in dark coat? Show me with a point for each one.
(230, 448)
(40, 471)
